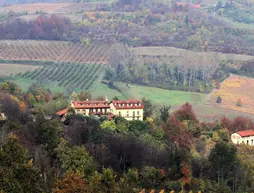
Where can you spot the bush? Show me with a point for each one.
(239, 103)
(219, 100)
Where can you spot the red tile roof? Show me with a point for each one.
(246, 133)
(62, 112)
(128, 104)
(197, 6)
(90, 104)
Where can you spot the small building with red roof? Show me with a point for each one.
(192, 5)
(243, 137)
(128, 109)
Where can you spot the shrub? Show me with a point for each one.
(219, 100)
(239, 103)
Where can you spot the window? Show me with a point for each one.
(120, 114)
(248, 142)
(127, 113)
(138, 112)
(252, 141)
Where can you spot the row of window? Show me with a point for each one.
(94, 110)
(133, 113)
(247, 142)
(129, 105)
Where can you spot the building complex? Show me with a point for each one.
(128, 109)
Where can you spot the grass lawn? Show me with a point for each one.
(24, 83)
(161, 96)
(103, 90)
(156, 95)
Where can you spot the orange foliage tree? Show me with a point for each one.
(72, 182)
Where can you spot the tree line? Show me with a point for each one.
(169, 73)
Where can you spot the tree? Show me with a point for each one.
(129, 182)
(74, 96)
(75, 159)
(17, 171)
(219, 100)
(148, 108)
(46, 133)
(84, 95)
(109, 125)
(150, 177)
(164, 113)
(105, 182)
(239, 103)
(186, 113)
(223, 162)
(177, 133)
(71, 182)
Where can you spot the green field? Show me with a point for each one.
(156, 95)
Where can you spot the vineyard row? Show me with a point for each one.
(67, 75)
(54, 51)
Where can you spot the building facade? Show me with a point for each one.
(91, 107)
(243, 137)
(128, 109)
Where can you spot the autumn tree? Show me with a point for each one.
(177, 133)
(71, 182)
(186, 113)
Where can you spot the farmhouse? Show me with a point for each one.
(246, 137)
(91, 107)
(128, 109)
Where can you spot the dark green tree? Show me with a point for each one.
(223, 162)
(164, 113)
(148, 108)
(17, 172)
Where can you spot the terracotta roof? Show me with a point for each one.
(62, 112)
(197, 6)
(246, 133)
(128, 104)
(90, 104)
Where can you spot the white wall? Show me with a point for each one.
(237, 139)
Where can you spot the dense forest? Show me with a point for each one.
(167, 152)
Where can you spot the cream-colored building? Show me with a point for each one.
(91, 107)
(243, 137)
(128, 109)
